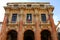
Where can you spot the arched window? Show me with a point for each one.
(45, 35)
(12, 35)
(28, 35)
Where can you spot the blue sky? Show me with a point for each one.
(55, 3)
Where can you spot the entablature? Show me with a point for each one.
(29, 5)
(28, 24)
(32, 6)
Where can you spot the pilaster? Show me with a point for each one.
(20, 31)
(37, 32)
(54, 33)
(3, 33)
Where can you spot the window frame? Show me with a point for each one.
(14, 20)
(27, 18)
(43, 19)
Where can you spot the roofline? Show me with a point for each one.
(28, 3)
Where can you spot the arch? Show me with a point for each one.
(46, 35)
(12, 35)
(29, 35)
(58, 35)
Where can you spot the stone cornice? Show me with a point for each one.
(27, 3)
(25, 7)
(33, 5)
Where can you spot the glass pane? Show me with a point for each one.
(29, 18)
(43, 17)
(14, 17)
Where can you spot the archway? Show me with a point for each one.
(58, 35)
(12, 35)
(28, 35)
(45, 35)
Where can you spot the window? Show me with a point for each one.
(43, 17)
(29, 18)
(14, 17)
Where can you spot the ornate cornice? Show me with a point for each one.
(24, 5)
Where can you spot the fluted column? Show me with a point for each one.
(20, 32)
(3, 33)
(54, 32)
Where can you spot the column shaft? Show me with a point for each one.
(54, 32)
(37, 32)
(3, 33)
(20, 32)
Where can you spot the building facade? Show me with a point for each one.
(58, 30)
(28, 21)
(58, 26)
